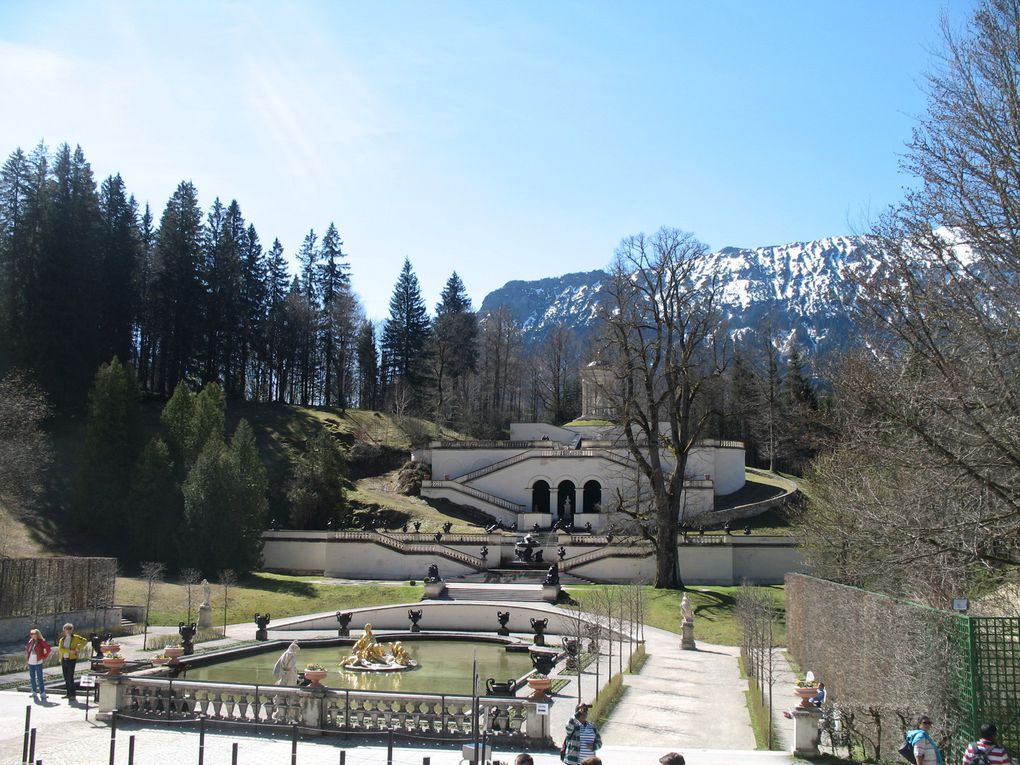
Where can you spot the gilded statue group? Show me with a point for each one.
(368, 654)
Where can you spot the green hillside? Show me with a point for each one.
(376, 444)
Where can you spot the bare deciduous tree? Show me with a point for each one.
(665, 344)
(189, 578)
(929, 464)
(152, 572)
(227, 579)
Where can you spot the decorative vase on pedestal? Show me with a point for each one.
(539, 686)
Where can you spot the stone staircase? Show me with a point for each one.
(516, 593)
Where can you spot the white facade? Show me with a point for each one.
(548, 472)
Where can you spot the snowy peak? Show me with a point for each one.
(798, 288)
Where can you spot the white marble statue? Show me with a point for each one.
(206, 593)
(686, 609)
(285, 671)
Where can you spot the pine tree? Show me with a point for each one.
(277, 289)
(118, 257)
(316, 492)
(209, 418)
(211, 496)
(177, 292)
(406, 338)
(178, 417)
(155, 506)
(253, 503)
(113, 436)
(454, 344)
(254, 311)
(305, 318)
(368, 367)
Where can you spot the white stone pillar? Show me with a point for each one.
(687, 637)
(805, 731)
(111, 696)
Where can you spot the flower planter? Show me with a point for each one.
(539, 686)
(108, 648)
(804, 694)
(113, 665)
(173, 652)
(315, 677)
(160, 661)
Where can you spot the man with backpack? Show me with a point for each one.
(986, 751)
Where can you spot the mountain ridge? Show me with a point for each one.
(799, 288)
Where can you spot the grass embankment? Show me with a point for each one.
(276, 594)
(377, 497)
(715, 618)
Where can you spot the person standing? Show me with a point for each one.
(926, 751)
(582, 739)
(994, 753)
(37, 650)
(69, 647)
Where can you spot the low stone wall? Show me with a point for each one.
(725, 561)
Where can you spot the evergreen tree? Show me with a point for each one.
(177, 292)
(143, 290)
(305, 318)
(316, 492)
(67, 301)
(178, 417)
(209, 418)
(112, 441)
(277, 289)
(120, 249)
(253, 383)
(368, 367)
(253, 508)
(212, 494)
(406, 338)
(454, 345)
(155, 507)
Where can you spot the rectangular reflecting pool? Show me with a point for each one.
(444, 666)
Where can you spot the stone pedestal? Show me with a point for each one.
(805, 732)
(311, 709)
(435, 589)
(536, 726)
(111, 696)
(687, 637)
(550, 593)
(205, 616)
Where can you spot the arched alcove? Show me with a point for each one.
(592, 497)
(540, 497)
(566, 500)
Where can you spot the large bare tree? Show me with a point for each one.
(927, 481)
(665, 345)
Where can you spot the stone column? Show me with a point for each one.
(805, 731)
(550, 592)
(111, 696)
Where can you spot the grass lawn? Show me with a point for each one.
(715, 618)
(391, 509)
(276, 594)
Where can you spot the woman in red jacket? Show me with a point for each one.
(37, 650)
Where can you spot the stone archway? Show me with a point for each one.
(540, 497)
(592, 497)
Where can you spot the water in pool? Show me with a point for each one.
(444, 666)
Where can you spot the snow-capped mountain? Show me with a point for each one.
(799, 287)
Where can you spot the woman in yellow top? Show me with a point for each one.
(69, 646)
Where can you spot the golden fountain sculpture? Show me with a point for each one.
(369, 656)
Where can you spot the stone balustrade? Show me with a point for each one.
(321, 708)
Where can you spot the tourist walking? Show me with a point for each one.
(987, 745)
(69, 647)
(37, 650)
(582, 739)
(926, 751)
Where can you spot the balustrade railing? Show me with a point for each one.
(440, 715)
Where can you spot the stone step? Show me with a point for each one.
(523, 593)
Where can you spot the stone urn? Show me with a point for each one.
(114, 664)
(539, 625)
(173, 652)
(315, 677)
(804, 693)
(539, 685)
(108, 648)
(414, 614)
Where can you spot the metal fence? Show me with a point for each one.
(34, 586)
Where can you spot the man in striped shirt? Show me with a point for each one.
(986, 750)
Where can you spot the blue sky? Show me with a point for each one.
(509, 140)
